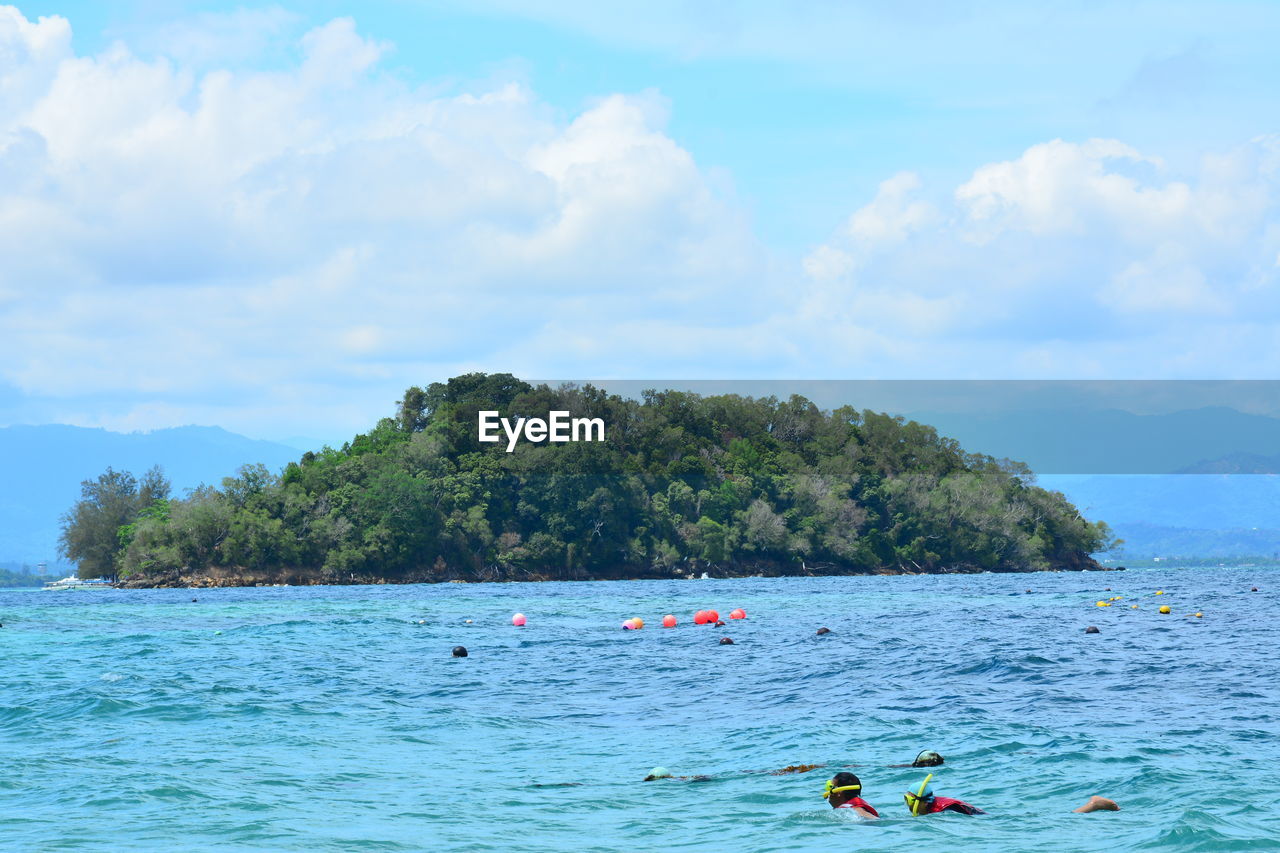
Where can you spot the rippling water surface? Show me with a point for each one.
(334, 718)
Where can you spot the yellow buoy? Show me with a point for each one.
(1133, 607)
(1103, 604)
(1164, 608)
(1199, 615)
(1159, 592)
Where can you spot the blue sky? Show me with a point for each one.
(275, 217)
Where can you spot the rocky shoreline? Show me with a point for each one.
(685, 571)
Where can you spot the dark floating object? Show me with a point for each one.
(1108, 589)
(928, 758)
(822, 631)
(720, 624)
(1255, 589)
(726, 641)
(459, 651)
(194, 600)
(1092, 629)
(1028, 590)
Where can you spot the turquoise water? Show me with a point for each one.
(328, 718)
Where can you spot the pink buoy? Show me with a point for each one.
(629, 625)
(518, 620)
(668, 621)
(737, 613)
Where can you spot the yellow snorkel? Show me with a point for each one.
(918, 800)
(832, 789)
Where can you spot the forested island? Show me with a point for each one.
(682, 485)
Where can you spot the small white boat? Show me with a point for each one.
(73, 582)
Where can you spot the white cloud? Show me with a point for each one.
(233, 236)
(1090, 245)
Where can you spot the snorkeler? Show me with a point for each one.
(844, 791)
(663, 773)
(923, 801)
(925, 758)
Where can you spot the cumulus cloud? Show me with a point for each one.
(229, 239)
(1068, 249)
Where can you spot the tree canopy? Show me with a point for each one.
(681, 483)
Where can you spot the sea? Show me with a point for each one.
(337, 718)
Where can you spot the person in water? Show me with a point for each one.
(925, 758)
(923, 801)
(844, 791)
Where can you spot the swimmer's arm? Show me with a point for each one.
(864, 813)
(1097, 804)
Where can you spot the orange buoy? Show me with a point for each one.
(668, 621)
(737, 613)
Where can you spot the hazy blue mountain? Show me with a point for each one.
(1144, 541)
(44, 465)
(1209, 515)
(1236, 463)
(1110, 441)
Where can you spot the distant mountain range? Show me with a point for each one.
(44, 465)
(1171, 515)
(1209, 440)
(1236, 463)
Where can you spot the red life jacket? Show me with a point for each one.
(942, 804)
(858, 803)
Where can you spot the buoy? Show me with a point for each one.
(1092, 629)
(713, 616)
(725, 641)
(217, 632)
(1164, 608)
(738, 613)
(518, 620)
(1108, 589)
(1104, 604)
(1159, 592)
(1133, 607)
(700, 617)
(467, 621)
(668, 621)
(422, 621)
(823, 630)
(1199, 615)
(1255, 589)
(459, 651)
(638, 622)
(628, 625)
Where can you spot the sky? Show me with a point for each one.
(276, 217)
